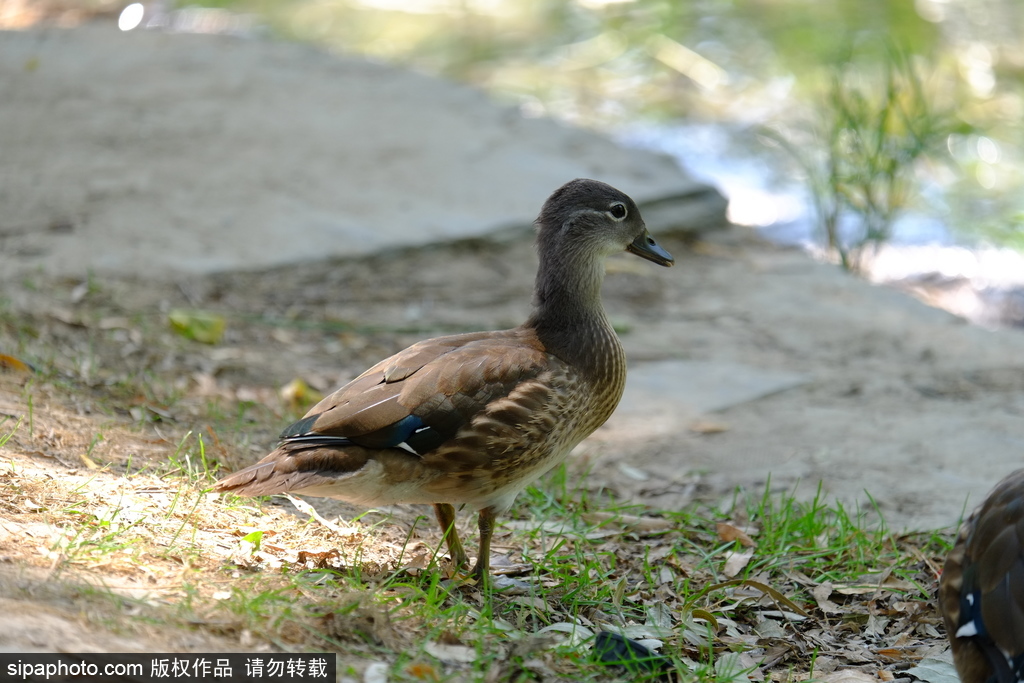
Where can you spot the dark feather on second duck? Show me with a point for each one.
(981, 591)
(474, 418)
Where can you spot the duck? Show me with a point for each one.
(472, 419)
(981, 589)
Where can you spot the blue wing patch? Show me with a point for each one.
(409, 434)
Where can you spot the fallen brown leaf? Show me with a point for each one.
(728, 533)
(735, 562)
(848, 676)
(821, 593)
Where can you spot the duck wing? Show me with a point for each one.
(420, 397)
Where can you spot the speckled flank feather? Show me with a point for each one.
(981, 592)
(474, 418)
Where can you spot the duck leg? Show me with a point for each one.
(446, 519)
(483, 559)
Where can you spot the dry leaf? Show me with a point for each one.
(764, 588)
(450, 653)
(200, 326)
(733, 667)
(633, 472)
(629, 522)
(705, 426)
(297, 394)
(770, 628)
(821, 593)
(65, 316)
(423, 671)
(115, 323)
(898, 654)
(848, 676)
(376, 672)
(851, 589)
(536, 603)
(735, 562)
(728, 533)
(576, 633)
(934, 670)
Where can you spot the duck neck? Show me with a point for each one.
(568, 315)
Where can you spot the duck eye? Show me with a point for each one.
(618, 211)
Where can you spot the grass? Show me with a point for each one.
(382, 598)
(6, 436)
(191, 463)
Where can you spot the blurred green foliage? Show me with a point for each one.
(869, 135)
(576, 53)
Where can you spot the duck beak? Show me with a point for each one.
(644, 246)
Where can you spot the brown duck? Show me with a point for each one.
(981, 592)
(474, 418)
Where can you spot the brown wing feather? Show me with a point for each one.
(443, 381)
(280, 472)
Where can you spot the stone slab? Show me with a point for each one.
(662, 397)
(150, 153)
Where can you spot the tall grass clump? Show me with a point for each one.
(868, 137)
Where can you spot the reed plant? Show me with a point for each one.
(867, 139)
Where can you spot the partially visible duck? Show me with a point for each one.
(474, 418)
(981, 591)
